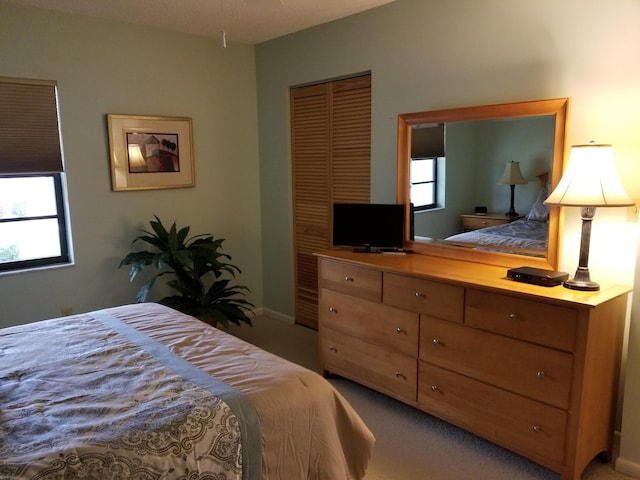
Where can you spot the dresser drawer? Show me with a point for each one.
(538, 322)
(351, 279)
(372, 322)
(388, 372)
(424, 296)
(518, 423)
(541, 373)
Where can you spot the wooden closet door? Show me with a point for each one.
(331, 158)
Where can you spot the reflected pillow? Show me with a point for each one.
(539, 211)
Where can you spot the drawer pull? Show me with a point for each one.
(333, 348)
(333, 310)
(435, 341)
(434, 388)
(537, 428)
(348, 279)
(514, 316)
(541, 374)
(421, 295)
(399, 374)
(400, 330)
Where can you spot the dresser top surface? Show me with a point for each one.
(472, 275)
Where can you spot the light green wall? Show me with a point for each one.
(106, 67)
(430, 55)
(426, 55)
(433, 54)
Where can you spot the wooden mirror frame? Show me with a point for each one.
(558, 107)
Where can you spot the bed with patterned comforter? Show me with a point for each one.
(527, 237)
(145, 392)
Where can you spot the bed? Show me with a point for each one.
(145, 392)
(527, 236)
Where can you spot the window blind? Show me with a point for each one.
(29, 132)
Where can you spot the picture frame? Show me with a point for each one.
(150, 152)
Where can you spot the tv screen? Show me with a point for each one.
(370, 225)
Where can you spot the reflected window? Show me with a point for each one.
(427, 159)
(424, 175)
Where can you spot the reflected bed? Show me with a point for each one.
(528, 237)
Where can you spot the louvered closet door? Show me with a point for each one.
(351, 140)
(331, 137)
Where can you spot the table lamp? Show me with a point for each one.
(512, 176)
(590, 181)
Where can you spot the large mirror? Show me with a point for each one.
(476, 177)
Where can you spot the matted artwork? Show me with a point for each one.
(149, 152)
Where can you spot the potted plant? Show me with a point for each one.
(198, 266)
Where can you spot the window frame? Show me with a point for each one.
(60, 215)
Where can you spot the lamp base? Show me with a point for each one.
(582, 281)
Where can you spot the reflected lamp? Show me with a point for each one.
(137, 162)
(512, 176)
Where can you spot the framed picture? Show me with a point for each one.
(150, 152)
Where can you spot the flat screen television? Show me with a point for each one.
(368, 226)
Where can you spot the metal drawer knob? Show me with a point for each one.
(434, 388)
(420, 295)
(514, 316)
(399, 374)
(333, 310)
(332, 348)
(541, 374)
(348, 279)
(400, 330)
(435, 341)
(537, 428)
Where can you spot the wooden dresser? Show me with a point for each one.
(533, 369)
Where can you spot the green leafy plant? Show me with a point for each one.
(202, 274)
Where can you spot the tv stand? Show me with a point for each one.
(364, 249)
(370, 249)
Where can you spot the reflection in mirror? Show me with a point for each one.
(451, 168)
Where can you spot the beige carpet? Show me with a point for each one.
(410, 445)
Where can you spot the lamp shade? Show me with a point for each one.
(590, 180)
(512, 175)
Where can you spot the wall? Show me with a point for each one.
(106, 67)
(426, 55)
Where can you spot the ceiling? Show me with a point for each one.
(244, 21)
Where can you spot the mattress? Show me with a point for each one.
(142, 391)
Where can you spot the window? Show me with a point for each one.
(33, 226)
(424, 175)
(427, 163)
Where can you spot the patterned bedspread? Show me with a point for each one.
(144, 392)
(80, 400)
(523, 236)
